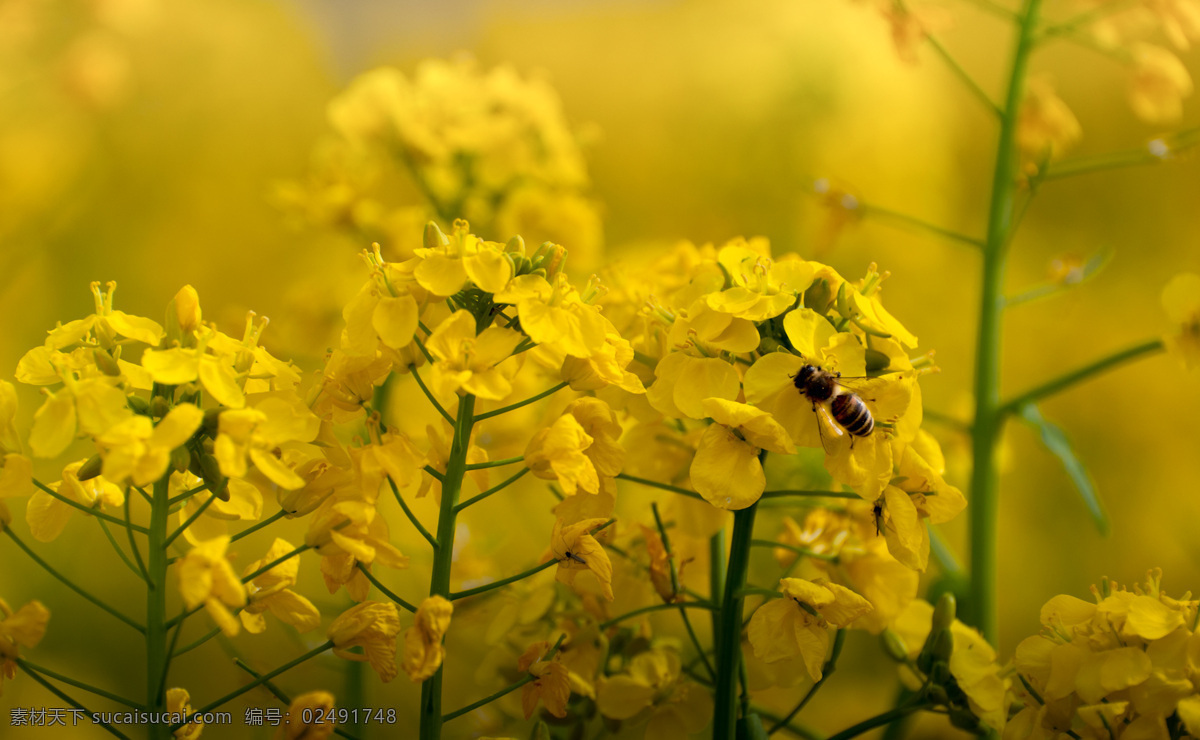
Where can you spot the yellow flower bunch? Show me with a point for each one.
(1124, 665)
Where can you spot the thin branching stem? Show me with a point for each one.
(29, 666)
(663, 486)
(411, 516)
(69, 583)
(519, 404)
(87, 509)
(494, 489)
(502, 692)
(67, 698)
(1074, 377)
(424, 389)
(384, 590)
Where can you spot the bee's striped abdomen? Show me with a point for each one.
(850, 411)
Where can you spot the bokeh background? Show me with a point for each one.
(144, 141)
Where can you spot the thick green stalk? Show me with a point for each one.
(156, 605)
(439, 583)
(729, 637)
(989, 418)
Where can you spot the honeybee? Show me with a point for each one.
(822, 387)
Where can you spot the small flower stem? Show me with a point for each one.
(878, 720)
(885, 214)
(826, 672)
(260, 680)
(494, 489)
(133, 546)
(443, 554)
(69, 583)
(411, 516)
(502, 692)
(264, 523)
(437, 474)
(502, 582)
(496, 463)
(187, 494)
(190, 520)
(65, 697)
(810, 494)
(425, 390)
(965, 78)
(942, 552)
(728, 640)
(87, 509)
(656, 608)
(519, 404)
(663, 486)
(198, 642)
(281, 559)
(1175, 144)
(989, 420)
(799, 730)
(156, 603)
(793, 548)
(120, 553)
(384, 590)
(29, 666)
(1076, 376)
(1071, 25)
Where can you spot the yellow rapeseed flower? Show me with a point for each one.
(423, 649)
(179, 701)
(469, 362)
(551, 684)
(140, 451)
(206, 577)
(1181, 300)
(798, 624)
(374, 626)
(579, 449)
(272, 591)
(23, 628)
(652, 690)
(47, 516)
(318, 707)
(254, 435)
(726, 470)
(576, 549)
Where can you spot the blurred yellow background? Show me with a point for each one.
(142, 140)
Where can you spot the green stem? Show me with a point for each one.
(384, 590)
(656, 608)
(826, 672)
(878, 720)
(411, 516)
(967, 80)
(156, 602)
(663, 486)
(185, 495)
(432, 400)
(728, 640)
(87, 509)
(500, 487)
(885, 214)
(502, 582)
(799, 730)
(69, 583)
(443, 554)
(198, 642)
(190, 520)
(989, 421)
(519, 404)
(133, 546)
(261, 680)
(793, 548)
(29, 666)
(716, 578)
(496, 463)
(120, 553)
(264, 523)
(502, 692)
(1145, 155)
(1076, 376)
(810, 494)
(66, 697)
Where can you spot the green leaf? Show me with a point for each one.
(1056, 441)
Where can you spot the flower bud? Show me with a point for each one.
(877, 361)
(208, 469)
(944, 612)
(434, 238)
(893, 645)
(159, 407)
(515, 246)
(180, 459)
(106, 363)
(818, 296)
(90, 469)
(139, 405)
